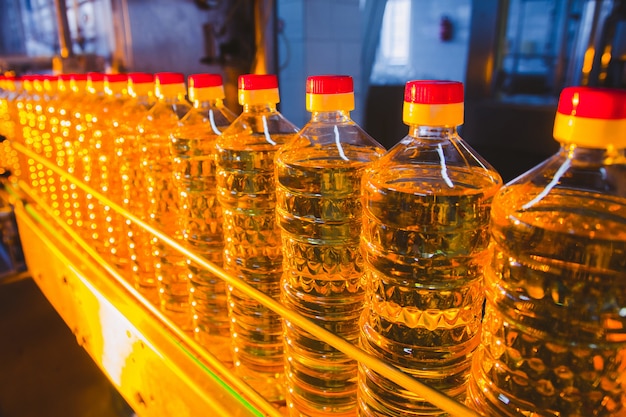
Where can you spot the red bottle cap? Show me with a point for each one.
(169, 78)
(78, 77)
(433, 103)
(329, 84)
(204, 80)
(591, 117)
(116, 78)
(141, 77)
(257, 82)
(95, 76)
(595, 103)
(433, 92)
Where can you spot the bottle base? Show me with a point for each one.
(269, 385)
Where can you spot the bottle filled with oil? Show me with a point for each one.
(9, 159)
(246, 192)
(128, 148)
(161, 198)
(319, 212)
(554, 333)
(76, 148)
(62, 146)
(193, 147)
(425, 236)
(90, 138)
(106, 178)
(33, 119)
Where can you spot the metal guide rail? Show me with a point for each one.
(159, 369)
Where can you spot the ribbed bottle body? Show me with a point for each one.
(194, 152)
(162, 202)
(129, 151)
(246, 191)
(108, 225)
(553, 338)
(319, 212)
(425, 237)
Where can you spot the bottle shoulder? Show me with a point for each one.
(257, 129)
(443, 165)
(322, 143)
(583, 180)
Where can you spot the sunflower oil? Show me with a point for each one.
(170, 267)
(554, 333)
(246, 192)
(425, 235)
(319, 212)
(200, 215)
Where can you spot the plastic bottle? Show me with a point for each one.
(36, 136)
(76, 148)
(554, 333)
(10, 90)
(50, 125)
(425, 235)
(62, 144)
(128, 149)
(90, 139)
(5, 126)
(200, 216)
(319, 211)
(162, 202)
(25, 134)
(114, 234)
(246, 192)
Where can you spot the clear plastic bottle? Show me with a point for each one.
(114, 234)
(90, 138)
(62, 145)
(21, 113)
(425, 235)
(10, 157)
(246, 191)
(554, 333)
(319, 211)
(50, 138)
(6, 124)
(76, 148)
(170, 267)
(200, 215)
(128, 149)
(36, 136)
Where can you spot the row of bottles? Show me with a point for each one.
(505, 298)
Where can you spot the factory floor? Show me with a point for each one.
(43, 370)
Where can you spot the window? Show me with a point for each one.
(393, 55)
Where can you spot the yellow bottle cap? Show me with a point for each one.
(169, 84)
(205, 87)
(140, 83)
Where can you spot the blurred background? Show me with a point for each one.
(514, 56)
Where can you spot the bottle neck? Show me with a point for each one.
(171, 98)
(593, 156)
(208, 104)
(335, 116)
(259, 108)
(432, 132)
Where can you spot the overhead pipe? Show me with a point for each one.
(65, 38)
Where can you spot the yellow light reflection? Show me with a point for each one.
(588, 59)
